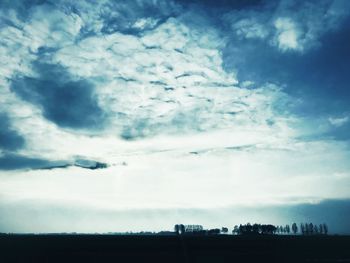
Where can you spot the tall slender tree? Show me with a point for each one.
(325, 228)
(235, 230)
(241, 229)
(294, 228)
(307, 229)
(311, 228)
(320, 229)
(177, 229)
(302, 228)
(287, 229)
(281, 229)
(249, 228)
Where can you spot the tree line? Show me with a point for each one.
(304, 229)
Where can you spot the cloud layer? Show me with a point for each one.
(63, 100)
(289, 25)
(9, 138)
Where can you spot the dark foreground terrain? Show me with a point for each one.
(152, 248)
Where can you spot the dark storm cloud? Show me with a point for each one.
(9, 138)
(64, 100)
(15, 162)
(9, 162)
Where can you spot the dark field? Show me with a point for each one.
(152, 248)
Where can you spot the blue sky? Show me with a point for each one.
(240, 104)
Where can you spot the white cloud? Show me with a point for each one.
(290, 25)
(143, 23)
(287, 34)
(172, 73)
(167, 80)
(338, 122)
(249, 28)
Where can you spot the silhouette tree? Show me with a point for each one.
(302, 228)
(235, 230)
(287, 229)
(177, 229)
(311, 228)
(320, 229)
(224, 230)
(294, 228)
(241, 229)
(282, 229)
(307, 229)
(325, 228)
(214, 231)
(249, 228)
(256, 228)
(316, 229)
(182, 229)
(271, 229)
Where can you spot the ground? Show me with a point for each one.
(172, 248)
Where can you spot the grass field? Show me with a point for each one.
(152, 248)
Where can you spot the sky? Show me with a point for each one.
(137, 115)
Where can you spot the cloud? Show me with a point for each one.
(136, 16)
(10, 162)
(144, 23)
(107, 17)
(9, 138)
(162, 70)
(288, 25)
(287, 35)
(168, 80)
(221, 4)
(270, 171)
(14, 162)
(249, 28)
(338, 122)
(315, 37)
(66, 101)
